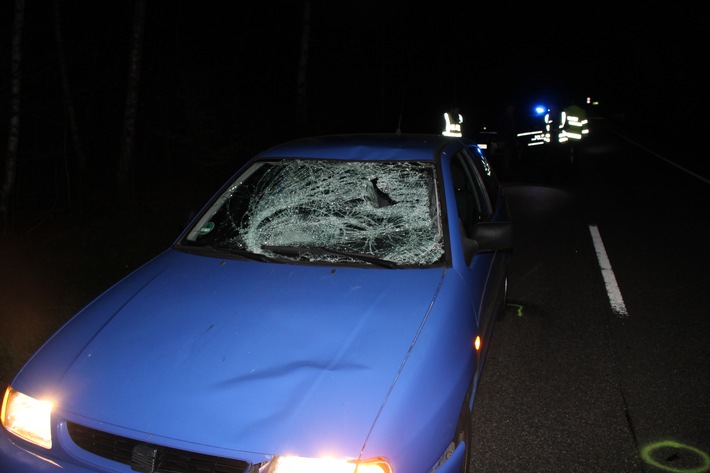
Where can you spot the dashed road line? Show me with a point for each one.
(612, 289)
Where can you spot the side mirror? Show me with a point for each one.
(488, 236)
(493, 235)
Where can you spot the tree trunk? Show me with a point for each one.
(13, 136)
(301, 99)
(124, 188)
(69, 107)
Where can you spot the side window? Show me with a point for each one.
(479, 185)
(472, 202)
(486, 174)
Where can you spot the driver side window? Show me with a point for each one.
(470, 202)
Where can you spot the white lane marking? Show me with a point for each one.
(612, 289)
(668, 161)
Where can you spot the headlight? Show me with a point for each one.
(27, 417)
(327, 465)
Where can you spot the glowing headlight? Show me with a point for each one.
(327, 465)
(27, 417)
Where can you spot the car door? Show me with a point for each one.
(473, 206)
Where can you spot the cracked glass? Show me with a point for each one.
(330, 211)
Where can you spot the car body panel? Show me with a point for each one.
(276, 345)
(372, 147)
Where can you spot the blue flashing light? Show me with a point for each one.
(540, 110)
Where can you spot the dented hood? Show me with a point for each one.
(257, 357)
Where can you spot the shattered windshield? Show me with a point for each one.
(328, 211)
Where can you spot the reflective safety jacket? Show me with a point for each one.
(453, 123)
(573, 124)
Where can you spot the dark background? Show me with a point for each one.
(218, 80)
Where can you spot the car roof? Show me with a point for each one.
(367, 147)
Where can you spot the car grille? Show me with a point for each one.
(166, 460)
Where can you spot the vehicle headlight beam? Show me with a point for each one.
(28, 418)
(292, 464)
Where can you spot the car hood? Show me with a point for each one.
(258, 357)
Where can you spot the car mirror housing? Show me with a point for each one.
(488, 236)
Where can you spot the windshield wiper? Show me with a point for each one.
(189, 245)
(320, 250)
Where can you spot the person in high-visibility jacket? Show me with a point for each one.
(573, 123)
(452, 123)
(573, 128)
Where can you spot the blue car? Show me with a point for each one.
(329, 310)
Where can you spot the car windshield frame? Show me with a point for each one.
(375, 213)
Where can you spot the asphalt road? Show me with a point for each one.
(602, 371)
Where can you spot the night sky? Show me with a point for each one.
(222, 76)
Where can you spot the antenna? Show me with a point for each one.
(401, 111)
